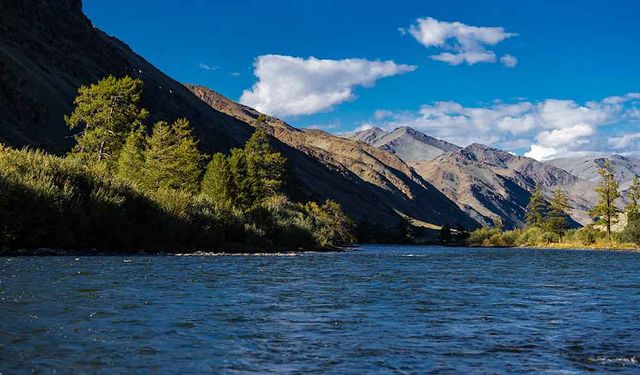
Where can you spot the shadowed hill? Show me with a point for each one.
(48, 48)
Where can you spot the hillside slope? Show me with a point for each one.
(404, 142)
(367, 175)
(48, 48)
(486, 182)
(587, 167)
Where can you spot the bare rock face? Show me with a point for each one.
(587, 167)
(486, 183)
(406, 143)
(48, 49)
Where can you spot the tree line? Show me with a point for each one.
(548, 220)
(155, 187)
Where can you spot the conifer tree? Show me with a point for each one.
(238, 166)
(265, 167)
(187, 168)
(217, 183)
(559, 211)
(606, 211)
(160, 157)
(106, 112)
(131, 160)
(537, 208)
(172, 159)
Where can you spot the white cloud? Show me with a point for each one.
(509, 61)
(289, 86)
(234, 74)
(381, 114)
(208, 67)
(624, 141)
(363, 127)
(545, 129)
(463, 43)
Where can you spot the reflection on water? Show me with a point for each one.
(382, 309)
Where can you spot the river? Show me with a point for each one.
(381, 309)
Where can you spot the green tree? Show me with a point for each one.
(159, 157)
(187, 168)
(537, 208)
(131, 160)
(106, 112)
(217, 183)
(172, 159)
(238, 166)
(606, 211)
(258, 171)
(559, 211)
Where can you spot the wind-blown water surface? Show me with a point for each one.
(391, 309)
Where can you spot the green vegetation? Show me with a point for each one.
(606, 211)
(547, 222)
(122, 189)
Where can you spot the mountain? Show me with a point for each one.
(487, 182)
(406, 143)
(369, 182)
(587, 167)
(49, 48)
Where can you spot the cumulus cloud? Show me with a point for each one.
(461, 43)
(542, 130)
(509, 61)
(289, 86)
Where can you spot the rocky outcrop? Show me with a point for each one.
(404, 142)
(486, 183)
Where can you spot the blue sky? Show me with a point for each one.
(375, 69)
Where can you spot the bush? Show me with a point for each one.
(588, 235)
(55, 202)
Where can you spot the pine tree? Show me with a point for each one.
(172, 159)
(606, 211)
(160, 157)
(537, 209)
(559, 211)
(131, 160)
(265, 167)
(238, 166)
(187, 168)
(106, 112)
(217, 183)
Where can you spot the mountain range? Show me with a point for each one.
(487, 182)
(383, 179)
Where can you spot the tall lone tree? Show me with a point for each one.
(606, 211)
(537, 208)
(559, 209)
(106, 112)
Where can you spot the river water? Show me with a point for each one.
(382, 309)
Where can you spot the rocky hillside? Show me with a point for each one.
(48, 48)
(587, 167)
(406, 143)
(366, 180)
(486, 182)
